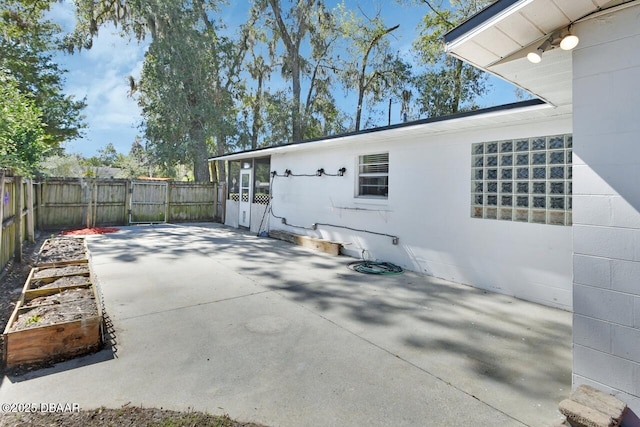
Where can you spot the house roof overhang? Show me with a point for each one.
(509, 114)
(498, 39)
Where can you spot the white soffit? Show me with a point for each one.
(499, 44)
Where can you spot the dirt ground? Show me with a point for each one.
(11, 284)
(128, 416)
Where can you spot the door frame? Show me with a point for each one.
(244, 206)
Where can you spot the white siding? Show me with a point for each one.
(429, 209)
(606, 90)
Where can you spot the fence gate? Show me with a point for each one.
(148, 202)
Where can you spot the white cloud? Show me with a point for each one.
(63, 14)
(100, 75)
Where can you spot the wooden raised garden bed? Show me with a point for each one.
(58, 315)
(62, 251)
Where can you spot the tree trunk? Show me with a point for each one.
(297, 125)
(256, 122)
(457, 88)
(359, 108)
(220, 150)
(201, 156)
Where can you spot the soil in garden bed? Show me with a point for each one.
(12, 282)
(60, 283)
(66, 306)
(69, 270)
(62, 249)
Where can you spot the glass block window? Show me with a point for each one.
(526, 180)
(373, 175)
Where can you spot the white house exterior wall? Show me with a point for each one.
(232, 210)
(429, 210)
(231, 217)
(606, 91)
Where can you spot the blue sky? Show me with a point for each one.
(101, 73)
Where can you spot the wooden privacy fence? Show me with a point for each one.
(17, 214)
(76, 202)
(63, 203)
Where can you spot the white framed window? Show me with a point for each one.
(527, 180)
(373, 175)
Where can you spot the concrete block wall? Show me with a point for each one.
(606, 205)
(429, 209)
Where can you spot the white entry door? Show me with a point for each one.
(246, 190)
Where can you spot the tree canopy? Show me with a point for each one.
(448, 85)
(33, 86)
(280, 77)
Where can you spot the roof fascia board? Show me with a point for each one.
(485, 112)
(482, 20)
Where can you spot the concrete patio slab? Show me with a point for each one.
(218, 320)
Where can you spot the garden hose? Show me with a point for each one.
(375, 267)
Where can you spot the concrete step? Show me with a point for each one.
(589, 407)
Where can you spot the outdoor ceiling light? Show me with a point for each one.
(536, 55)
(569, 41)
(564, 39)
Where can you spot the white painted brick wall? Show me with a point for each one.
(625, 342)
(603, 304)
(607, 369)
(625, 141)
(429, 209)
(592, 333)
(606, 184)
(592, 271)
(625, 276)
(608, 242)
(588, 182)
(592, 210)
(623, 213)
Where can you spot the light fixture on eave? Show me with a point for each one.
(569, 40)
(535, 56)
(564, 39)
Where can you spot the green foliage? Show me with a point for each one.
(27, 41)
(33, 319)
(190, 78)
(108, 155)
(300, 38)
(205, 90)
(449, 89)
(63, 165)
(370, 67)
(22, 138)
(449, 85)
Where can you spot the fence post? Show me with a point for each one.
(127, 201)
(167, 211)
(223, 204)
(18, 197)
(40, 216)
(1, 211)
(31, 232)
(94, 217)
